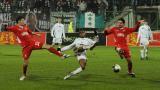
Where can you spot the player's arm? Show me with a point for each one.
(68, 47)
(11, 28)
(33, 33)
(52, 31)
(150, 34)
(138, 36)
(96, 39)
(93, 43)
(135, 28)
(108, 31)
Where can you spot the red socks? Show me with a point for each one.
(52, 50)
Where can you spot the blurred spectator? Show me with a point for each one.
(74, 5)
(95, 6)
(69, 5)
(53, 5)
(82, 6)
(115, 10)
(38, 4)
(92, 6)
(102, 7)
(59, 6)
(64, 5)
(115, 2)
(134, 2)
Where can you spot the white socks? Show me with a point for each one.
(78, 70)
(146, 52)
(142, 53)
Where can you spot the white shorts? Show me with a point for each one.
(57, 40)
(82, 56)
(144, 41)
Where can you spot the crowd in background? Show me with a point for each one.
(73, 5)
(100, 7)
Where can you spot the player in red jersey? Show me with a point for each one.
(29, 41)
(120, 33)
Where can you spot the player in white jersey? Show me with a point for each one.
(57, 32)
(144, 36)
(79, 46)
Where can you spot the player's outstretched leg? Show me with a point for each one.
(59, 47)
(53, 50)
(82, 63)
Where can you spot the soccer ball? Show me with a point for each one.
(116, 68)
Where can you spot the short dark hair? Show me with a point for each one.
(59, 17)
(121, 19)
(19, 18)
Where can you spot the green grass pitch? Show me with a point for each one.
(46, 71)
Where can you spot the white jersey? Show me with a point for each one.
(57, 31)
(86, 43)
(144, 32)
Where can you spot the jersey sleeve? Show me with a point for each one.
(139, 34)
(150, 33)
(130, 30)
(52, 31)
(69, 46)
(29, 30)
(91, 43)
(108, 31)
(11, 28)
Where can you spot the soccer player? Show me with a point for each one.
(79, 46)
(144, 35)
(57, 32)
(29, 41)
(120, 33)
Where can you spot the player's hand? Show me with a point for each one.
(38, 34)
(141, 21)
(150, 41)
(137, 43)
(107, 28)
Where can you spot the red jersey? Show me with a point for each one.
(28, 40)
(120, 35)
(23, 33)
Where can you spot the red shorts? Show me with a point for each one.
(33, 45)
(125, 50)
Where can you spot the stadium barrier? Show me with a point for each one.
(132, 38)
(11, 39)
(70, 37)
